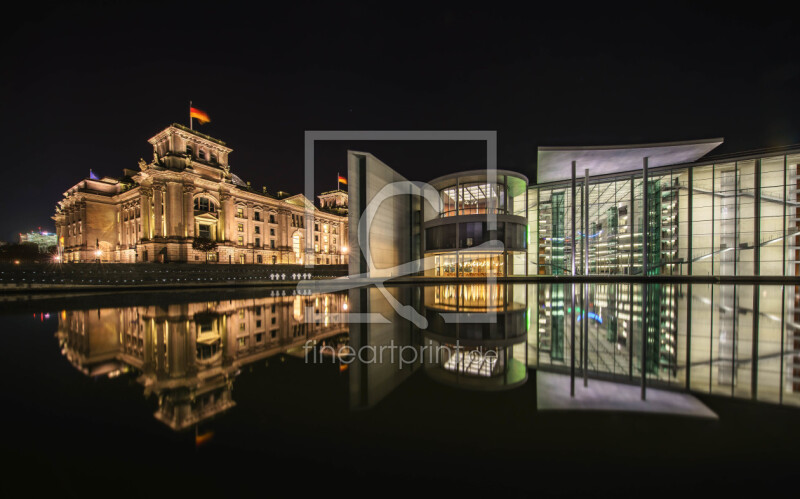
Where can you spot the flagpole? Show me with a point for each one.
(337, 181)
(190, 116)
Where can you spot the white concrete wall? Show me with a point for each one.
(390, 231)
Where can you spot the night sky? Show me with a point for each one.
(84, 86)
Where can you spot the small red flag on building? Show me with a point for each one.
(199, 115)
(342, 180)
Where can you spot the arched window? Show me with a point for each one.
(205, 205)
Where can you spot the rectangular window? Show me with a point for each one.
(205, 231)
(240, 226)
(272, 243)
(240, 212)
(259, 259)
(258, 323)
(271, 218)
(271, 232)
(258, 245)
(257, 216)
(258, 230)
(240, 241)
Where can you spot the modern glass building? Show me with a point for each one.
(731, 216)
(475, 211)
(653, 209)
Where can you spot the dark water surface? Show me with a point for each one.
(202, 393)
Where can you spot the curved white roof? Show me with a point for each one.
(555, 163)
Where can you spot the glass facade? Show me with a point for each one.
(473, 216)
(737, 218)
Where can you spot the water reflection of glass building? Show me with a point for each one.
(476, 335)
(734, 340)
(188, 354)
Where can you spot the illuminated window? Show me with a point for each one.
(240, 240)
(240, 227)
(204, 204)
(239, 212)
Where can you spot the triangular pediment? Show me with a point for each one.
(300, 200)
(209, 217)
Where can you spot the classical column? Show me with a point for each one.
(226, 222)
(145, 195)
(249, 225)
(120, 224)
(284, 228)
(158, 196)
(188, 210)
(174, 209)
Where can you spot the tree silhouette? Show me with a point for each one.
(205, 245)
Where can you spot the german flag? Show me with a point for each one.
(342, 180)
(199, 115)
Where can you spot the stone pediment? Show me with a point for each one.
(301, 201)
(210, 217)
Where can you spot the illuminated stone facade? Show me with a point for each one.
(188, 192)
